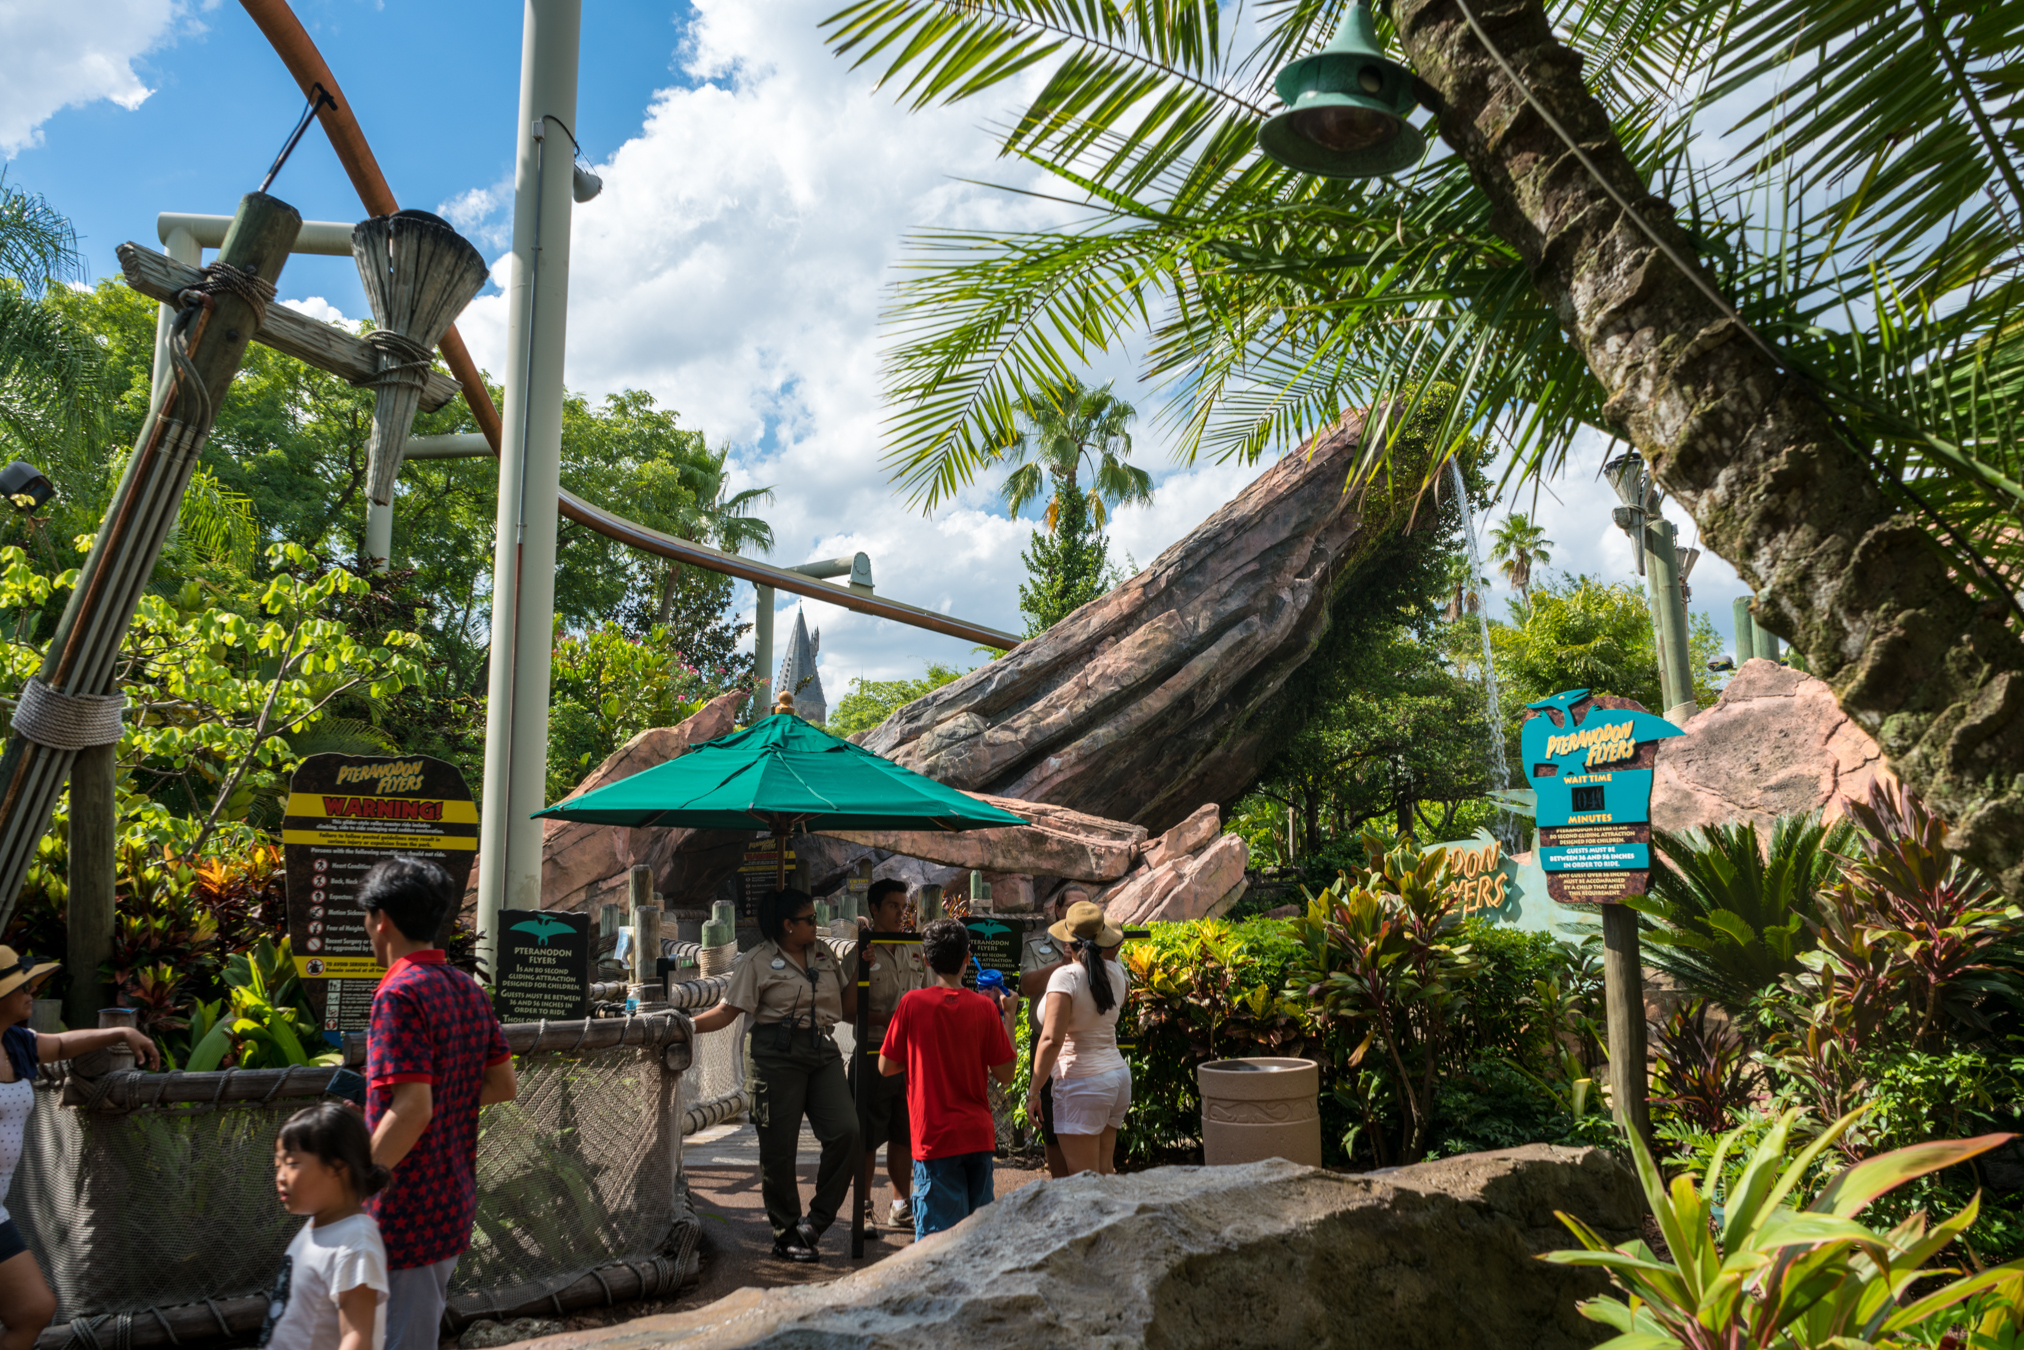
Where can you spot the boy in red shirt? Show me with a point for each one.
(944, 1038)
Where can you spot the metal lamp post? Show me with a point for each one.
(1659, 562)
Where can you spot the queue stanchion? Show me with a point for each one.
(860, 1184)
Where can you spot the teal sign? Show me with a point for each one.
(1585, 762)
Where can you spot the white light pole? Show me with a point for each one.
(523, 565)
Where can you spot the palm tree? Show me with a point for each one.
(1464, 588)
(1516, 546)
(1065, 426)
(1840, 293)
(52, 394)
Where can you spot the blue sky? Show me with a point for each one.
(758, 194)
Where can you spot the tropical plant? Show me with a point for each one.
(1065, 429)
(1517, 546)
(1585, 633)
(1384, 961)
(52, 381)
(1701, 1069)
(263, 1024)
(1732, 912)
(1912, 955)
(1748, 1267)
(1856, 250)
(1465, 589)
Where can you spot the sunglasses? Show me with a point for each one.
(803, 918)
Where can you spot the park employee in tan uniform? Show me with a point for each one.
(796, 992)
(1039, 957)
(895, 969)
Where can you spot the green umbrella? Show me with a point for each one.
(782, 775)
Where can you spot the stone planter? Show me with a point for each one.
(1254, 1109)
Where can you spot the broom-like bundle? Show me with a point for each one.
(418, 274)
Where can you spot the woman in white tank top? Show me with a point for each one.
(1078, 1042)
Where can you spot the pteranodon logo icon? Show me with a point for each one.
(542, 928)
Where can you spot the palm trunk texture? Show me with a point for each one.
(1839, 571)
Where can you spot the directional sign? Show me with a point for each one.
(1589, 758)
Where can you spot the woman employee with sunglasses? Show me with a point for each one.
(796, 993)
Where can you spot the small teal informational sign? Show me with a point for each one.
(1589, 760)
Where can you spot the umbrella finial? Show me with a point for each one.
(785, 703)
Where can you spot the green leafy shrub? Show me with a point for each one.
(1201, 991)
(1749, 1267)
(1733, 911)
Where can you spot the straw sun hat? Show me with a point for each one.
(1085, 922)
(15, 971)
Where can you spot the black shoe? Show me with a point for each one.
(791, 1248)
(809, 1234)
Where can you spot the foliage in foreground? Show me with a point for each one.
(1749, 1267)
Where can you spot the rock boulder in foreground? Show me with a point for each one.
(1442, 1256)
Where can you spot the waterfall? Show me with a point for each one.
(1500, 769)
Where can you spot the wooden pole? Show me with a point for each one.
(1623, 992)
(90, 918)
(646, 924)
(83, 651)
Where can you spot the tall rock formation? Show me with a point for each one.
(1146, 703)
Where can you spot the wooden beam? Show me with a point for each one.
(323, 345)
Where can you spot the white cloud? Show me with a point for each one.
(70, 54)
(475, 210)
(318, 308)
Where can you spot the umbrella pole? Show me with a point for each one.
(780, 860)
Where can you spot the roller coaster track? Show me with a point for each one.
(284, 32)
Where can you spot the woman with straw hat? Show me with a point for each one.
(26, 1305)
(1078, 1050)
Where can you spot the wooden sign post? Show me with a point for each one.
(1589, 758)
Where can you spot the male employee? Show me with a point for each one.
(894, 969)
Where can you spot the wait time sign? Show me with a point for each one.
(1589, 758)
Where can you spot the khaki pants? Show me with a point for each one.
(801, 1080)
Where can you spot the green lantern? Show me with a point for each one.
(1346, 108)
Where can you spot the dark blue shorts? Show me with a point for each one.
(12, 1244)
(949, 1190)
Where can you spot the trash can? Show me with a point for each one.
(1260, 1108)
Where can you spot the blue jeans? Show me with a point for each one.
(949, 1190)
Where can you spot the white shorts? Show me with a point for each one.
(1094, 1104)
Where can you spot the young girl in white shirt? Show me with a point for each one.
(331, 1293)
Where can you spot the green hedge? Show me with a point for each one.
(1215, 990)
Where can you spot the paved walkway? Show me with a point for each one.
(722, 1165)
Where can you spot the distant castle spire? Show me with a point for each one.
(810, 704)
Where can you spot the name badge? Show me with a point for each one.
(875, 966)
(779, 963)
(1045, 949)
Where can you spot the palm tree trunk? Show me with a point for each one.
(1934, 673)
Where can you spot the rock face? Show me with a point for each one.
(1267, 1255)
(1776, 743)
(1056, 841)
(1182, 883)
(1143, 704)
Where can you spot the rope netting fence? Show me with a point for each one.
(152, 1210)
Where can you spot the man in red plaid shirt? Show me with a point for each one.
(434, 1055)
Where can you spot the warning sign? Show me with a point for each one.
(345, 813)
